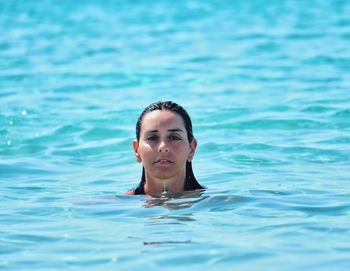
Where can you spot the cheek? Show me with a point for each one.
(183, 150)
(145, 150)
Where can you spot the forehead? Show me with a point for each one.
(162, 119)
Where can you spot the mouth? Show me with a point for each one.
(163, 161)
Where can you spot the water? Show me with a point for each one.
(267, 86)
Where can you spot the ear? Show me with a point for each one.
(193, 146)
(135, 145)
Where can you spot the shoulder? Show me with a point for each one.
(130, 192)
(139, 190)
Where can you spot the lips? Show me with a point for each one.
(163, 161)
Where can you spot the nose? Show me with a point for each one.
(163, 147)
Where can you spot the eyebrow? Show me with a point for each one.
(175, 130)
(169, 130)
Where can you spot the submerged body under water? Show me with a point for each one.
(267, 86)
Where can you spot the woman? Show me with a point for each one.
(165, 146)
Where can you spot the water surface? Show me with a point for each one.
(267, 86)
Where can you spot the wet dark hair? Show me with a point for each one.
(191, 182)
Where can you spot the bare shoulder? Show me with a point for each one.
(130, 192)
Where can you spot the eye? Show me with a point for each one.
(152, 137)
(175, 137)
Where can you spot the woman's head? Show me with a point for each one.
(165, 146)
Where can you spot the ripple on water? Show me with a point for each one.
(342, 114)
(267, 86)
(318, 109)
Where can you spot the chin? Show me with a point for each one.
(164, 176)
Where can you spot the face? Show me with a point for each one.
(163, 147)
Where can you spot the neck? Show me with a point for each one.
(155, 186)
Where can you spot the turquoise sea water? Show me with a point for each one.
(267, 84)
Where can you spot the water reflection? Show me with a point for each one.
(175, 201)
(171, 227)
